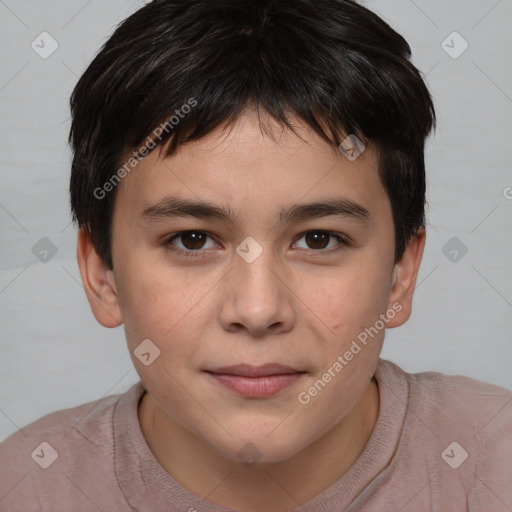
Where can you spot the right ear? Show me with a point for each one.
(99, 283)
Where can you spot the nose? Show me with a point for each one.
(257, 298)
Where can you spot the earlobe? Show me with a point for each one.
(99, 283)
(405, 274)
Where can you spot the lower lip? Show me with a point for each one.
(257, 387)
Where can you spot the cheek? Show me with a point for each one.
(158, 309)
(349, 298)
(159, 304)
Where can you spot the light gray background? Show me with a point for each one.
(53, 353)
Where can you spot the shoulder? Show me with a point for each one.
(461, 428)
(448, 396)
(455, 396)
(62, 427)
(46, 459)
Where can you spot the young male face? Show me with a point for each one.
(300, 303)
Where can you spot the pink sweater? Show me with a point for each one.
(441, 443)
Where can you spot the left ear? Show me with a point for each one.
(404, 280)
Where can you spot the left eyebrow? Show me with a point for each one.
(330, 207)
(170, 207)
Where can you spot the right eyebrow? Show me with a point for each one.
(170, 207)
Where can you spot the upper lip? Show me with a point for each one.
(247, 370)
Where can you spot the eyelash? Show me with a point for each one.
(201, 253)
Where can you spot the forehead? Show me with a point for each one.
(251, 162)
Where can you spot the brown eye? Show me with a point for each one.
(190, 240)
(319, 240)
(193, 240)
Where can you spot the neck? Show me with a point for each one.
(271, 487)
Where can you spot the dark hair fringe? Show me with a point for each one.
(333, 64)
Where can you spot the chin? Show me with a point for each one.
(264, 444)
